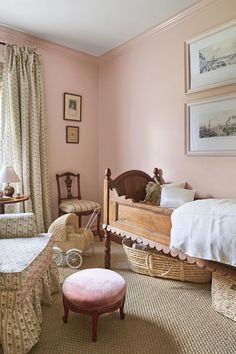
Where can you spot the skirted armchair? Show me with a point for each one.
(28, 277)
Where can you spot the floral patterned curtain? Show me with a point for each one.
(23, 139)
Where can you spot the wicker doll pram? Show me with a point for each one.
(70, 240)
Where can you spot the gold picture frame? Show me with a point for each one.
(72, 107)
(72, 134)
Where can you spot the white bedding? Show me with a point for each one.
(206, 229)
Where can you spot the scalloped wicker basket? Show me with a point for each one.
(223, 292)
(157, 264)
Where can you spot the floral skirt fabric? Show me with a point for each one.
(20, 301)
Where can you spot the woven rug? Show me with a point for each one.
(162, 317)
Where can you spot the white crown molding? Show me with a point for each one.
(12, 36)
(189, 12)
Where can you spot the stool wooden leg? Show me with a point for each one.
(122, 315)
(94, 327)
(66, 311)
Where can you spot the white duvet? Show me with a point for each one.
(206, 229)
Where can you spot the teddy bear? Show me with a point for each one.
(152, 193)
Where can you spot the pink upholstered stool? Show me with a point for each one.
(94, 291)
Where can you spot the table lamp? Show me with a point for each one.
(8, 175)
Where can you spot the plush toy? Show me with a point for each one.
(152, 193)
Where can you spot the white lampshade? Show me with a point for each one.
(8, 175)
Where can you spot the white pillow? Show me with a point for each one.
(174, 185)
(175, 197)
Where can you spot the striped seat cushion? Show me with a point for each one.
(76, 205)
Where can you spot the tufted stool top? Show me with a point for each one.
(94, 289)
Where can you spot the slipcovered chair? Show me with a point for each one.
(28, 277)
(74, 204)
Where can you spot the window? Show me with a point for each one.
(1, 66)
(1, 147)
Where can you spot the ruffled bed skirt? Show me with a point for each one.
(21, 314)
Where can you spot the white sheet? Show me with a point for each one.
(206, 229)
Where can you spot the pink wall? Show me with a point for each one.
(141, 106)
(137, 97)
(71, 75)
(66, 70)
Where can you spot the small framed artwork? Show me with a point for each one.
(211, 127)
(72, 134)
(211, 58)
(72, 107)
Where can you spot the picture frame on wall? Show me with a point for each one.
(211, 127)
(211, 58)
(72, 134)
(72, 107)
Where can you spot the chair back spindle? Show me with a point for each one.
(68, 182)
(68, 178)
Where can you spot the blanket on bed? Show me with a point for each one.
(206, 229)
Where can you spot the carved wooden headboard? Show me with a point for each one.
(132, 183)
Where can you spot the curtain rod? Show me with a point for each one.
(2, 43)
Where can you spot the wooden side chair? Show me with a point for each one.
(74, 204)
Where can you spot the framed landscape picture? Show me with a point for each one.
(211, 58)
(72, 134)
(72, 107)
(211, 127)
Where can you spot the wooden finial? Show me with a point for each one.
(108, 173)
(157, 177)
(156, 171)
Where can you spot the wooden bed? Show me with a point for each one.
(126, 216)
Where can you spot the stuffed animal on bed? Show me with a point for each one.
(153, 190)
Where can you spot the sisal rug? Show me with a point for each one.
(162, 317)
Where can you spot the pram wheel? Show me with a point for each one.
(57, 256)
(73, 258)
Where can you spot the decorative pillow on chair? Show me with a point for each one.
(18, 225)
(152, 193)
(175, 197)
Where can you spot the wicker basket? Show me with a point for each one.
(157, 264)
(223, 291)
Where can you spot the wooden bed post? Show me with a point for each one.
(106, 218)
(106, 196)
(158, 175)
(107, 249)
